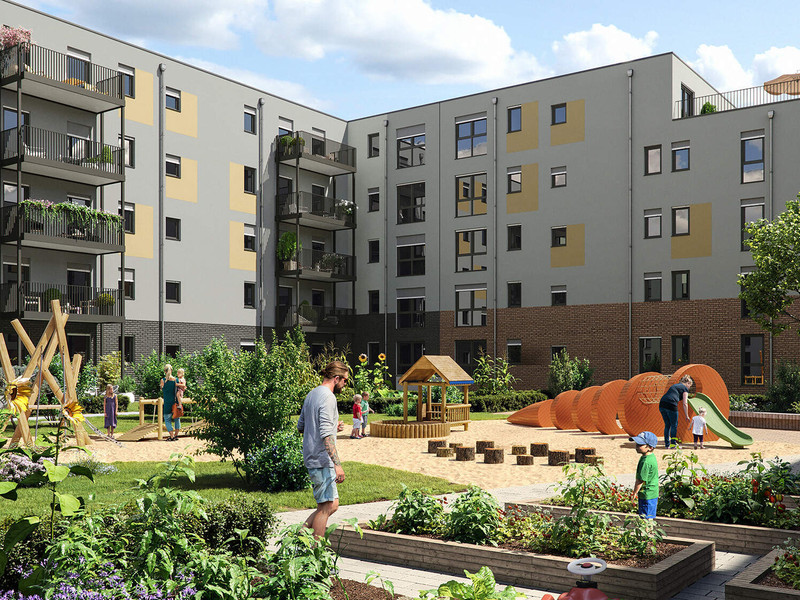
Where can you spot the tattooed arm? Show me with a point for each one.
(330, 447)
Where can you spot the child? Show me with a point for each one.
(180, 387)
(110, 410)
(699, 427)
(356, 433)
(646, 488)
(365, 410)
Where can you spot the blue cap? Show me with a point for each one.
(646, 438)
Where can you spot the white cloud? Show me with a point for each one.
(719, 66)
(776, 61)
(600, 45)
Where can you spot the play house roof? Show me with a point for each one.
(443, 366)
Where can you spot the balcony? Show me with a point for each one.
(61, 156)
(71, 229)
(320, 266)
(312, 210)
(725, 101)
(316, 153)
(315, 318)
(32, 299)
(58, 77)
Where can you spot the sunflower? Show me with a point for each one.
(17, 394)
(362, 358)
(381, 357)
(74, 412)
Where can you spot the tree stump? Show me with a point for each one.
(464, 453)
(539, 449)
(524, 459)
(593, 459)
(456, 444)
(493, 456)
(580, 454)
(557, 458)
(434, 444)
(481, 445)
(444, 452)
(517, 450)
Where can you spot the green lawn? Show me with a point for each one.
(124, 423)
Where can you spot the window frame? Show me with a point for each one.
(414, 260)
(675, 152)
(250, 241)
(373, 204)
(743, 365)
(647, 150)
(511, 111)
(175, 161)
(128, 291)
(473, 348)
(472, 137)
(744, 235)
(128, 144)
(373, 258)
(174, 95)
(253, 114)
(684, 357)
(176, 223)
(673, 277)
(642, 346)
(124, 351)
(514, 180)
(653, 216)
(416, 349)
(516, 295)
(558, 240)
(675, 210)
(557, 173)
(555, 109)
(412, 317)
(558, 295)
(473, 244)
(373, 296)
(648, 295)
(176, 286)
(416, 146)
(252, 174)
(412, 207)
(744, 162)
(473, 183)
(128, 75)
(514, 343)
(373, 150)
(249, 285)
(514, 233)
(687, 101)
(126, 209)
(472, 309)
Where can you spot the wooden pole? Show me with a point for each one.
(405, 401)
(444, 402)
(141, 411)
(429, 401)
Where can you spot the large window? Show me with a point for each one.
(514, 119)
(410, 151)
(652, 287)
(467, 353)
(649, 354)
(374, 251)
(10, 192)
(471, 250)
(373, 145)
(515, 237)
(411, 203)
(407, 354)
(680, 221)
(752, 159)
(680, 285)
(558, 295)
(249, 294)
(752, 210)
(471, 138)
(752, 360)
(471, 195)
(410, 312)
(680, 349)
(411, 260)
(652, 223)
(471, 307)
(652, 160)
(680, 156)
(514, 294)
(249, 119)
(250, 180)
(173, 291)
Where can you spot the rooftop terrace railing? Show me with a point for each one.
(725, 101)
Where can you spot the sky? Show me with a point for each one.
(355, 58)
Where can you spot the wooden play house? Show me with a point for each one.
(433, 419)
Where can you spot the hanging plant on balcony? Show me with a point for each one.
(81, 215)
(11, 36)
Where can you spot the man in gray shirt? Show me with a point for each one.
(319, 422)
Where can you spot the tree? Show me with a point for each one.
(567, 373)
(771, 289)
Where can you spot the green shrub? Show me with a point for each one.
(454, 395)
(748, 402)
(416, 512)
(474, 518)
(378, 404)
(149, 370)
(509, 401)
(787, 563)
(236, 512)
(493, 375)
(108, 370)
(26, 553)
(785, 390)
(567, 373)
(278, 466)
(396, 410)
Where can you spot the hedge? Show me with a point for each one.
(508, 401)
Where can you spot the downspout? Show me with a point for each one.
(20, 198)
(161, 192)
(630, 223)
(121, 207)
(770, 192)
(386, 237)
(260, 223)
(101, 261)
(496, 231)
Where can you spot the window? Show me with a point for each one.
(471, 250)
(558, 237)
(558, 113)
(128, 81)
(407, 354)
(411, 260)
(468, 352)
(410, 312)
(514, 352)
(744, 271)
(680, 285)
(411, 203)
(471, 138)
(687, 102)
(515, 237)
(680, 156)
(680, 221)
(10, 193)
(172, 229)
(173, 291)
(514, 180)
(752, 360)
(752, 159)
(128, 285)
(249, 294)
(127, 352)
(514, 294)
(652, 160)
(80, 343)
(558, 177)
(650, 354)
(558, 295)
(514, 119)
(250, 180)
(752, 210)
(373, 199)
(285, 126)
(680, 349)
(374, 251)
(373, 145)
(78, 65)
(471, 195)
(249, 237)
(247, 345)
(410, 151)
(173, 166)
(129, 217)
(652, 287)
(172, 350)
(10, 118)
(249, 120)
(173, 99)
(129, 150)
(373, 350)
(652, 223)
(10, 271)
(471, 307)
(374, 302)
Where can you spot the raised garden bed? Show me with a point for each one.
(765, 420)
(746, 586)
(744, 539)
(517, 567)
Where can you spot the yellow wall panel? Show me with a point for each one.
(698, 242)
(140, 244)
(184, 187)
(238, 198)
(185, 121)
(240, 259)
(140, 109)
(574, 130)
(528, 199)
(574, 253)
(528, 137)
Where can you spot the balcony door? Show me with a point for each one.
(79, 289)
(78, 70)
(318, 199)
(9, 297)
(79, 141)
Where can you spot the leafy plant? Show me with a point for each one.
(567, 373)
(787, 563)
(288, 246)
(416, 512)
(474, 518)
(482, 586)
(82, 216)
(238, 512)
(747, 402)
(682, 483)
(784, 392)
(708, 108)
(386, 585)
(302, 565)
(588, 486)
(149, 370)
(374, 379)
(278, 466)
(108, 370)
(493, 374)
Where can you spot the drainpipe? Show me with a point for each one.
(121, 207)
(630, 223)
(260, 223)
(386, 237)
(496, 231)
(161, 192)
(770, 192)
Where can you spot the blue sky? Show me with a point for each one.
(354, 58)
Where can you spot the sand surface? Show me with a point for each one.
(411, 454)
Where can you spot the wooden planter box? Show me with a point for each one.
(659, 582)
(744, 539)
(765, 420)
(742, 587)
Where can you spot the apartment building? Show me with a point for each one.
(599, 211)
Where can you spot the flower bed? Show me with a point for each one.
(746, 585)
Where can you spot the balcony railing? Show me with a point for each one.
(30, 220)
(307, 315)
(725, 101)
(60, 67)
(35, 297)
(337, 266)
(303, 143)
(299, 203)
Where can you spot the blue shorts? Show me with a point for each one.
(323, 482)
(647, 508)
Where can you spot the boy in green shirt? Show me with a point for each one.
(646, 488)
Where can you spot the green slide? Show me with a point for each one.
(717, 422)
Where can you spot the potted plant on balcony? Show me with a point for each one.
(331, 262)
(104, 302)
(289, 142)
(288, 249)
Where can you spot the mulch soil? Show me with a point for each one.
(771, 580)
(663, 550)
(357, 590)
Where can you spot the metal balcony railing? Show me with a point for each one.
(29, 219)
(321, 206)
(725, 101)
(304, 143)
(307, 315)
(59, 147)
(32, 296)
(337, 265)
(60, 67)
